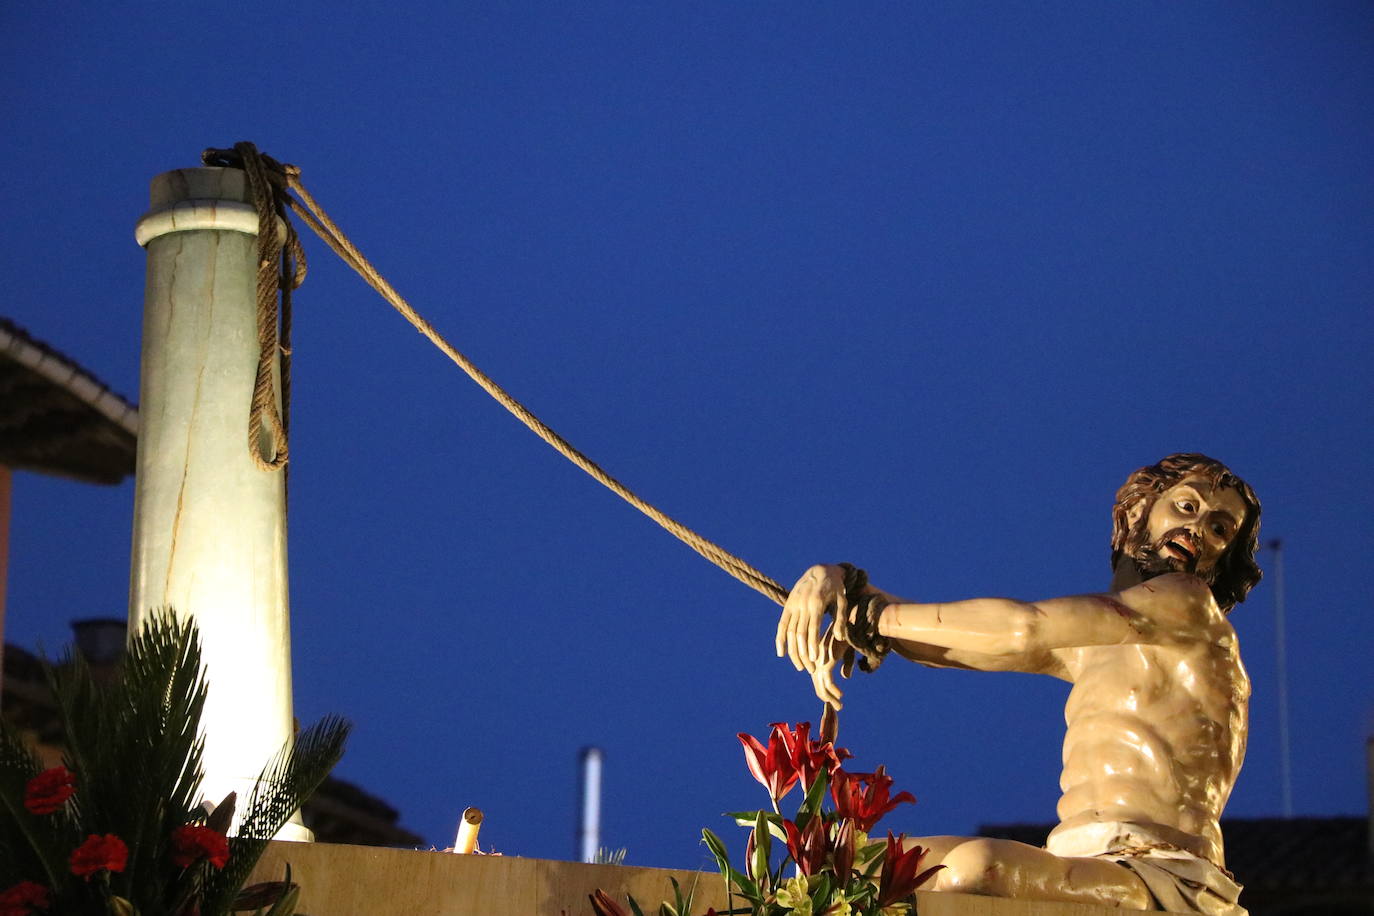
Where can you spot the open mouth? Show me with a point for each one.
(1180, 548)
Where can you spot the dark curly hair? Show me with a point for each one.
(1236, 570)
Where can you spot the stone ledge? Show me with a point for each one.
(341, 880)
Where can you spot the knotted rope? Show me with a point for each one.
(280, 180)
(281, 269)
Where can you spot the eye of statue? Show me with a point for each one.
(1186, 505)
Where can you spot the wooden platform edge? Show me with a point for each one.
(339, 880)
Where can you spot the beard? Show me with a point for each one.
(1151, 559)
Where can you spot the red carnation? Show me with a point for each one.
(24, 898)
(49, 790)
(99, 853)
(193, 842)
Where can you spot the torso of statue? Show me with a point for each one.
(1156, 730)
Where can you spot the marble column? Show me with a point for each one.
(209, 533)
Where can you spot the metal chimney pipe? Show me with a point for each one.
(1281, 676)
(589, 829)
(101, 639)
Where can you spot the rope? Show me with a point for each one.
(281, 269)
(284, 178)
(314, 215)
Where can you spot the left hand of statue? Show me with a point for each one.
(823, 674)
(803, 635)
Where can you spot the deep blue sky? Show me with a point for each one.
(911, 285)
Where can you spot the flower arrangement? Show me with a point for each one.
(116, 829)
(837, 870)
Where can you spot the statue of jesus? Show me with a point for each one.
(1158, 713)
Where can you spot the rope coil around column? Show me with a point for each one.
(280, 270)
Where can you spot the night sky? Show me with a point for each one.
(910, 285)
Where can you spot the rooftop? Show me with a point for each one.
(57, 418)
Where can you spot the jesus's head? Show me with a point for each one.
(1189, 513)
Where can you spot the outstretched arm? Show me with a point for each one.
(983, 633)
(1021, 631)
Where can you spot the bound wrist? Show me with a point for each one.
(858, 627)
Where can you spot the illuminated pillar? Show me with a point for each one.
(209, 535)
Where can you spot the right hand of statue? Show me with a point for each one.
(801, 629)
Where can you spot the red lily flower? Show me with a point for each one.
(192, 842)
(808, 846)
(864, 797)
(99, 853)
(24, 898)
(807, 755)
(750, 848)
(899, 878)
(49, 790)
(604, 905)
(261, 896)
(844, 851)
(771, 766)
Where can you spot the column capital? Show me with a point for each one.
(202, 198)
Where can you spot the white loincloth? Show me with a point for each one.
(1179, 881)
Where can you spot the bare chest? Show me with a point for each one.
(1187, 703)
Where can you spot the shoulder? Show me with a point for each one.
(1173, 598)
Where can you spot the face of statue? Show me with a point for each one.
(1188, 529)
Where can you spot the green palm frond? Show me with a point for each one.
(135, 746)
(286, 782)
(26, 852)
(604, 855)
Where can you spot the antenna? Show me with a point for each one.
(589, 830)
(1281, 651)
